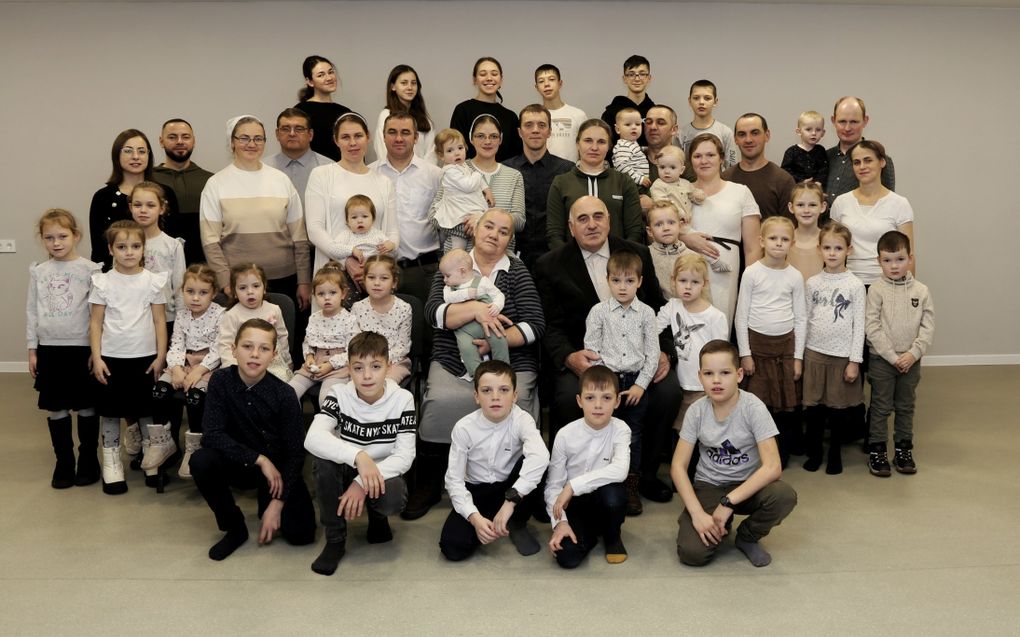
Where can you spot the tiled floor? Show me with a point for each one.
(929, 554)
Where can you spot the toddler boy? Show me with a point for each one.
(497, 457)
(590, 460)
(900, 325)
(363, 442)
(738, 471)
(623, 332)
(807, 158)
(703, 100)
(462, 285)
(628, 158)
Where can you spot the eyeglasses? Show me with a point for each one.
(245, 140)
(287, 130)
(481, 137)
(128, 150)
(630, 75)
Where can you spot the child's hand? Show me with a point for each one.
(489, 199)
(747, 363)
(323, 369)
(798, 369)
(32, 362)
(195, 375)
(483, 528)
(177, 376)
(851, 372)
(358, 254)
(707, 529)
(472, 293)
(375, 486)
(697, 196)
(904, 362)
(499, 523)
(309, 361)
(386, 247)
(633, 395)
(493, 310)
(561, 532)
(100, 370)
(646, 182)
(156, 368)
(721, 515)
(562, 501)
(270, 521)
(272, 476)
(352, 502)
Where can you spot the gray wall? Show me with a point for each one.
(74, 75)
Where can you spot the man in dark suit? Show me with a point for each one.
(571, 279)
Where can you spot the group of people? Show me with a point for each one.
(605, 265)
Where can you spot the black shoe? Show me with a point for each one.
(379, 531)
(422, 498)
(878, 460)
(904, 458)
(634, 506)
(654, 489)
(63, 449)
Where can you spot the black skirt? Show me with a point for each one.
(63, 379)
(128, 390)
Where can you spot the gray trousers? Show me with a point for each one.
(466, 334)
(449, 398)
(332, 480)
(764, 510)
(892, 391)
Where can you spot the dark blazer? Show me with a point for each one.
(568, 294)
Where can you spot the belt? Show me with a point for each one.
(426, 258)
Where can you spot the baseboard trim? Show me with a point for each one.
(15, 367)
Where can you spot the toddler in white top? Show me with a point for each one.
(464, 284)
(628, 158)
(465, 191)
(361, 238)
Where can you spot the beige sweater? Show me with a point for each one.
(900, 318)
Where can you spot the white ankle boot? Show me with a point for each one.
(161, 447)
(113, 472)
(192, 443)
(132, 439)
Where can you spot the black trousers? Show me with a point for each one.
(215, 474)
(600, 512)
(458, 540)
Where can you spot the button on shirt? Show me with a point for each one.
(415, 188)
(298, 169)
(625, 338)
(597, 262)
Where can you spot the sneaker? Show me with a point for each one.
(161, 447)
(113, 472)
(133, 440)
(904, 458)
(878, 460)
(192, 443)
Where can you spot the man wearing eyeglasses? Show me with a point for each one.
(636, 77)
(186, 179)
(296, 157)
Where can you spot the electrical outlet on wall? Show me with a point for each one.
(7, 245)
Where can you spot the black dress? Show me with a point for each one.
(324, 115)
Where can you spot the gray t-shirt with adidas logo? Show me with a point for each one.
(729, 449)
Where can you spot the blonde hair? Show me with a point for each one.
(665, 204)
(127, 226)
(691, 261)
(777, 220)
(807, 186)
(331, 272)
(457, 257)
(62, 218)
(671, 150)
(809, 116)
(447, 135)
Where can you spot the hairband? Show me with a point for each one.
(490, 116)
(353, 114)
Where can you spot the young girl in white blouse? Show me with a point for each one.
(771, 323)
(329, 331)
(128, 341)
(58, 350)
(383, 313)
(193, 355)
(836, 302)
(163, 253)
(248, 289)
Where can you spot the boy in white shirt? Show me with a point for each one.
(738, 470)
(363, 442)
(589, 463)
(497, 457)
(565, 120)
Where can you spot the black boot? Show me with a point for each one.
(88, 447)
(430, 465)
(814, 431)
(63, 447)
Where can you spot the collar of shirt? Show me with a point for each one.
(616, 306)
(385, 163)
(503, 265)
(602, 252)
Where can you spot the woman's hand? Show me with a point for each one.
(469, 223)
(701, 243)
(493, 325)
(304, 296)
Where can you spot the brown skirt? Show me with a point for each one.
(772, 380)
(824, 384)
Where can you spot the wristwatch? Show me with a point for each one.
(725, 502)
(513, 496)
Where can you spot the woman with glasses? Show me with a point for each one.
(593, 176)
(403, 93)
(329, 188)
(488, 77)
(507, 184)
(316, 99)
(251, 213)
(131, 156)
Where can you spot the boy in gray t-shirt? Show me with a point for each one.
(738, 470)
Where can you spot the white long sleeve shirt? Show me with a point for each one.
(588, 459)
(347, 425)
(485, 452)
(771, 302)
(836, 304)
